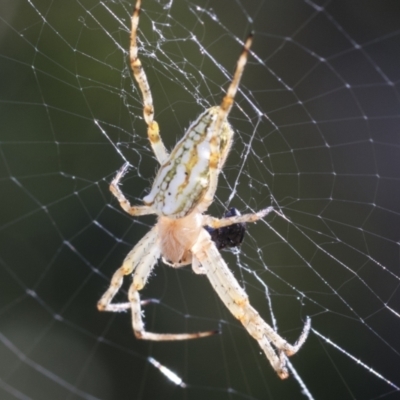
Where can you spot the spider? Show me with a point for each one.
(182, 191)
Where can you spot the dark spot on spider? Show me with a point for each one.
(228, 236)
(169, 193)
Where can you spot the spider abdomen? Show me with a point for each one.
(184, 179)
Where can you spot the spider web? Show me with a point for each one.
(316, 124)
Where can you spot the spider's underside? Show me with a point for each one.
(182, 191)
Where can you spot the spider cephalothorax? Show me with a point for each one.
(182, 191)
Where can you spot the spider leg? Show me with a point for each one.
(227, 101)
(216, 161)
(236, 300)
(217, 158)
(216, 223)
(145, 251)
(140, 276)
(197, 268)
(153, 131)
(123, 201)
(140, 262)
(138, 325)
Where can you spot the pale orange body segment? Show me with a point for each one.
(177, 237)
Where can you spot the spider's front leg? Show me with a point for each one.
(236, 300)
(139, 262)
(138, 324)
(140, 259)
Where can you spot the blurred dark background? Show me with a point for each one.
(317, 136)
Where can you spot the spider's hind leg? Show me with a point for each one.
(217, 159)
(153, 131)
